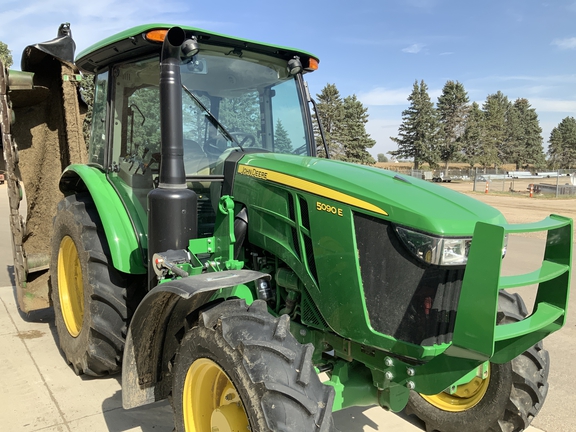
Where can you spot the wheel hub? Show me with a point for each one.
(70, 286)
(465, 397)
(210, 400)
(228, 418)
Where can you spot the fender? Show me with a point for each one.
(156, 329)
(118, 227)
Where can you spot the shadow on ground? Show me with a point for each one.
(10, 271)
(355, 419)
(156, 417)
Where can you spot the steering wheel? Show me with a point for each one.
(245, 138)
(154, 159)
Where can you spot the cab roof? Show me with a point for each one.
(133, 43)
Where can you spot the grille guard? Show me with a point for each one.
(476, 337)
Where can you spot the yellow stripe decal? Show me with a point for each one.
(276, 177)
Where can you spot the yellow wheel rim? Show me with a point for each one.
(70, 288)
(466, 396)
(210, 401)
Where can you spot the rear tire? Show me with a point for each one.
(242, 357)
(88, 294)
(514, 395)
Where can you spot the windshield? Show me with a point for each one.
(252, 98)
(230, 99)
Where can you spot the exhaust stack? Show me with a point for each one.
(172, 207)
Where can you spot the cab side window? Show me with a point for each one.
(97, 144)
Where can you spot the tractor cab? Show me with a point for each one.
(237, 97)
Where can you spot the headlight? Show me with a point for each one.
(436, 250)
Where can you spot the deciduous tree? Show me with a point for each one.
(382, 157)
(5, 55)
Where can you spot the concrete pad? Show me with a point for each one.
(26, 402)
(152, 418)
(368, 419)
(375, 419)
(6, 259)
(42, 393)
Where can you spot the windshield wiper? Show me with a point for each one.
(215, 122)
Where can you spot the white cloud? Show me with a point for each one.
(567, 43)
(384, 96)
(553, 105)
(548, 79)
(32, 21)
(414, 48)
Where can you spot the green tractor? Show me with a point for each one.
(202, 248)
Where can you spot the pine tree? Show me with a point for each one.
(282, 142)
(331, 114)
(562, 149)
(355, 139)
(5, 55)
(472, 140)
(524, 145)
(495, 110)
(241, 114)
(512, 150)
(418, 133)
(452, 108)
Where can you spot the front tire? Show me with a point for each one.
(506, 401)
(88, 294)
(241, 369)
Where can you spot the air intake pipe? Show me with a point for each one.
(172, 207)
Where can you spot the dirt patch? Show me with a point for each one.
(30, 334)
(453, 166)
(518, 207)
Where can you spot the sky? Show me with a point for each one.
(375, 49)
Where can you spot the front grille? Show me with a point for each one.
(310, 314)
(405, 298)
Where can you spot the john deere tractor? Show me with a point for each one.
(202, 248)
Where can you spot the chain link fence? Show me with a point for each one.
(556, 183)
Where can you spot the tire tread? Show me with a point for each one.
(528, 388)
(278, 369)
(98, 349)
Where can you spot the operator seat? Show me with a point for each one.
(195, 160)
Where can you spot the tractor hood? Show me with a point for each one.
(399, 198)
